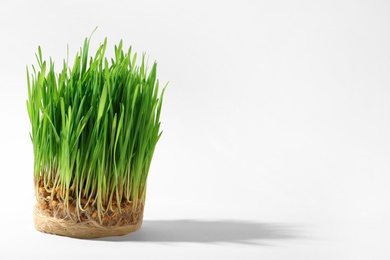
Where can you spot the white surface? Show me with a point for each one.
(276, 124)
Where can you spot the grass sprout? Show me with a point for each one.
(94, 127)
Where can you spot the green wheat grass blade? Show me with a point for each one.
(94, 126)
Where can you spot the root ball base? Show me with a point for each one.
(47, 222)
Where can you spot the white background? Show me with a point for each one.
(276, 124)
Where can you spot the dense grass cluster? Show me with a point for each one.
(95, 126)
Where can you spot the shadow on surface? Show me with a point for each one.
(196, 231)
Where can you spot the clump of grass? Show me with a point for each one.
(95, 126)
